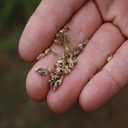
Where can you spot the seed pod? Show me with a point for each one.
(109, 58)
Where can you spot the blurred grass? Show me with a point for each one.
(16, 109)
(13, 17)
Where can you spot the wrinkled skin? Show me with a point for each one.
(105, 24)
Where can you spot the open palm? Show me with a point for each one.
(105, 24)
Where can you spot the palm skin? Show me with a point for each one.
(105, 24)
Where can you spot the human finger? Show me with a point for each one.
(40, 31)
(108, 82)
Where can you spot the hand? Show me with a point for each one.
(105, 24)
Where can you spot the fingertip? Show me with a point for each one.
(36, 37)
(64, 97)
(55, 104)
(24, 55)
(98, 92)
(87, 105)
(36, 88)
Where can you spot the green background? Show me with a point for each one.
(17, 110)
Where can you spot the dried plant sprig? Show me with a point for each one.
(65, 63)
(56, 79)
(62, 67)
(47, 51)
(79, 48)
(71, 60)
(62, 38)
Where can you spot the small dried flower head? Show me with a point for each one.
(42, 71)
(71, 60)
(55, 81)
(79, 48)
(62, 38)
